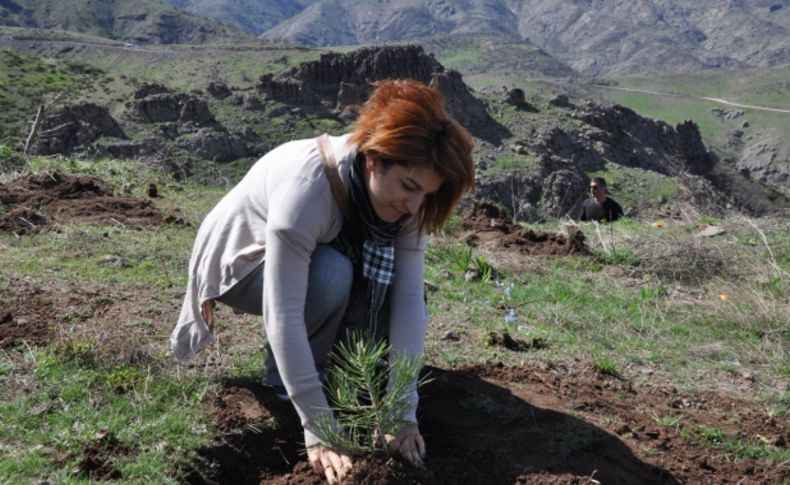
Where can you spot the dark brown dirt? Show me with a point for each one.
(504, 339)
(98, 456)
(35, 314)
(36, 202)
(15, 330)
(122, 323)
(491, 227)
(493, 424)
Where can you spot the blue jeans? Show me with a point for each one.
(328, 290)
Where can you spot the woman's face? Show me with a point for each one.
(398, 191)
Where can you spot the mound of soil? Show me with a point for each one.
(504, 425)
(37, 201)
(490, 225)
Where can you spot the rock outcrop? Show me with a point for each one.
(636, 141)
(160, 107)
(335, 81)
(74, 126)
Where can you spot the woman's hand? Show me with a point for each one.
(408, 443)
(334, 464)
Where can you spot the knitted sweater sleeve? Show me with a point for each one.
(408, 312)
(300, 211)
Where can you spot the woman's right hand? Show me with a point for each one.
(333, 463)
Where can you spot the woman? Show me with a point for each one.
(278, 245)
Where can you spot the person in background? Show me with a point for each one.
(316, 254)
(600, 207)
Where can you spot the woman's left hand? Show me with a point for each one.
(408, 443)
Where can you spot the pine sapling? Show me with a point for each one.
(368, 389)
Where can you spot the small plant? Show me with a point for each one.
(454, 224)
(124, 379)
(712, 436)
(605, 366)
(79, 351)
(709, 220)
(465, 261)
(364, 410)
(463, 258)
(485, 270)
(617, 256)
(653, 292)
(669, 421)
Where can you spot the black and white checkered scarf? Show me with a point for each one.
(370, 244)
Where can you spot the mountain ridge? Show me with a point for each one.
(596, 38)
(144, 21)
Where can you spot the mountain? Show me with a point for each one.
(252, 16)
(143, 21)
(596, 38)
(343, 22)
(617, 37)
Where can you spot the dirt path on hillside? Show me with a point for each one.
(675, 95)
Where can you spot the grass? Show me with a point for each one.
(742, 446)
(70, 402)
(59, 400)
(511, 162)
(28, 81)
(669, 421)
(631, 304)
(746, 86)
(637, 188)
(605, 366)
(493, 57)
(761, 87)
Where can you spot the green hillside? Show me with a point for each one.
(27, 82)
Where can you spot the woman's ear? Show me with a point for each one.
(371, 163)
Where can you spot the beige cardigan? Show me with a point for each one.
(286, 203)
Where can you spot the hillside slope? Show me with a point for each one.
(144, 21)
(252, 16)
(534, 155)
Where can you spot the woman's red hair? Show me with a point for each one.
(405, 122)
